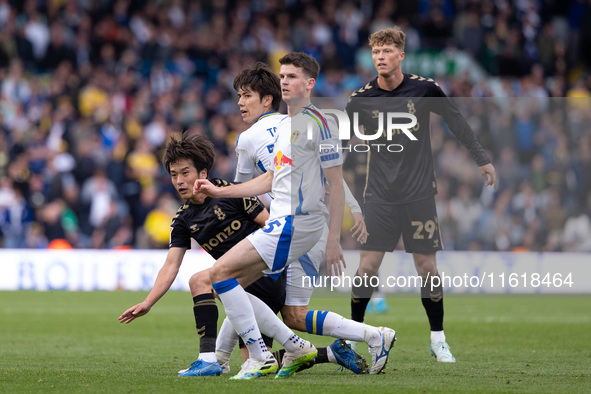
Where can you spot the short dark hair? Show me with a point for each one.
(304, 61)
(261, 79)
(196, 148)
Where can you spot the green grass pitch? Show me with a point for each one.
(68, 342)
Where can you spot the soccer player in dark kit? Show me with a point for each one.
(216, 225)
(400, 185)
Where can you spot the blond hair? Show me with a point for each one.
(393, 35)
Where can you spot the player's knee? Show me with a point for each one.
(368, 270)
(215, 275)
(370, 263)
(425, 264)
(200, 283)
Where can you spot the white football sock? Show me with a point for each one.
(208, 357)
(227, 337)
(335, 325)
(330, 355)
(271, 325)
(241, 315)
(437, 336)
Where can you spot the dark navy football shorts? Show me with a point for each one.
(416, 221)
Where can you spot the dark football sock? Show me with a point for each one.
(206, 321)
(278, 354)
(432, 298)
(322, 356)
(360, 296)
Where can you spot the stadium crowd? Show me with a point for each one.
(90, 89)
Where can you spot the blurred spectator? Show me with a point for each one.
(50, 216)
(58, 50)
(581, 170)
(37, 33)
(508, 169)
(143, 163)
(554, 216)
(524, 134)
(526, 203)
(16, 216)
(15, 87)
(436, 30)
(465, 211)
(97, 196)
(157, 224)
(92, 97)
(577, 232)
(472, 36)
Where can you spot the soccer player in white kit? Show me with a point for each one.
(254, 149)
(295, 225)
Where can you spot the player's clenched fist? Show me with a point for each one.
(205, 187)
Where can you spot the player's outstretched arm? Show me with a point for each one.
(334, 253)
(489, 174)
(254, 187)
(166, 276)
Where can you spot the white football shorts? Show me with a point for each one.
(302, 273)
(285, 239)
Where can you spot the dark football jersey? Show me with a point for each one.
(400, 169)
(217, 225)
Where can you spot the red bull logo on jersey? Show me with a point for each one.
(280, 160)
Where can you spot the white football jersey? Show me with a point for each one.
(304, 144)
(254, 147)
